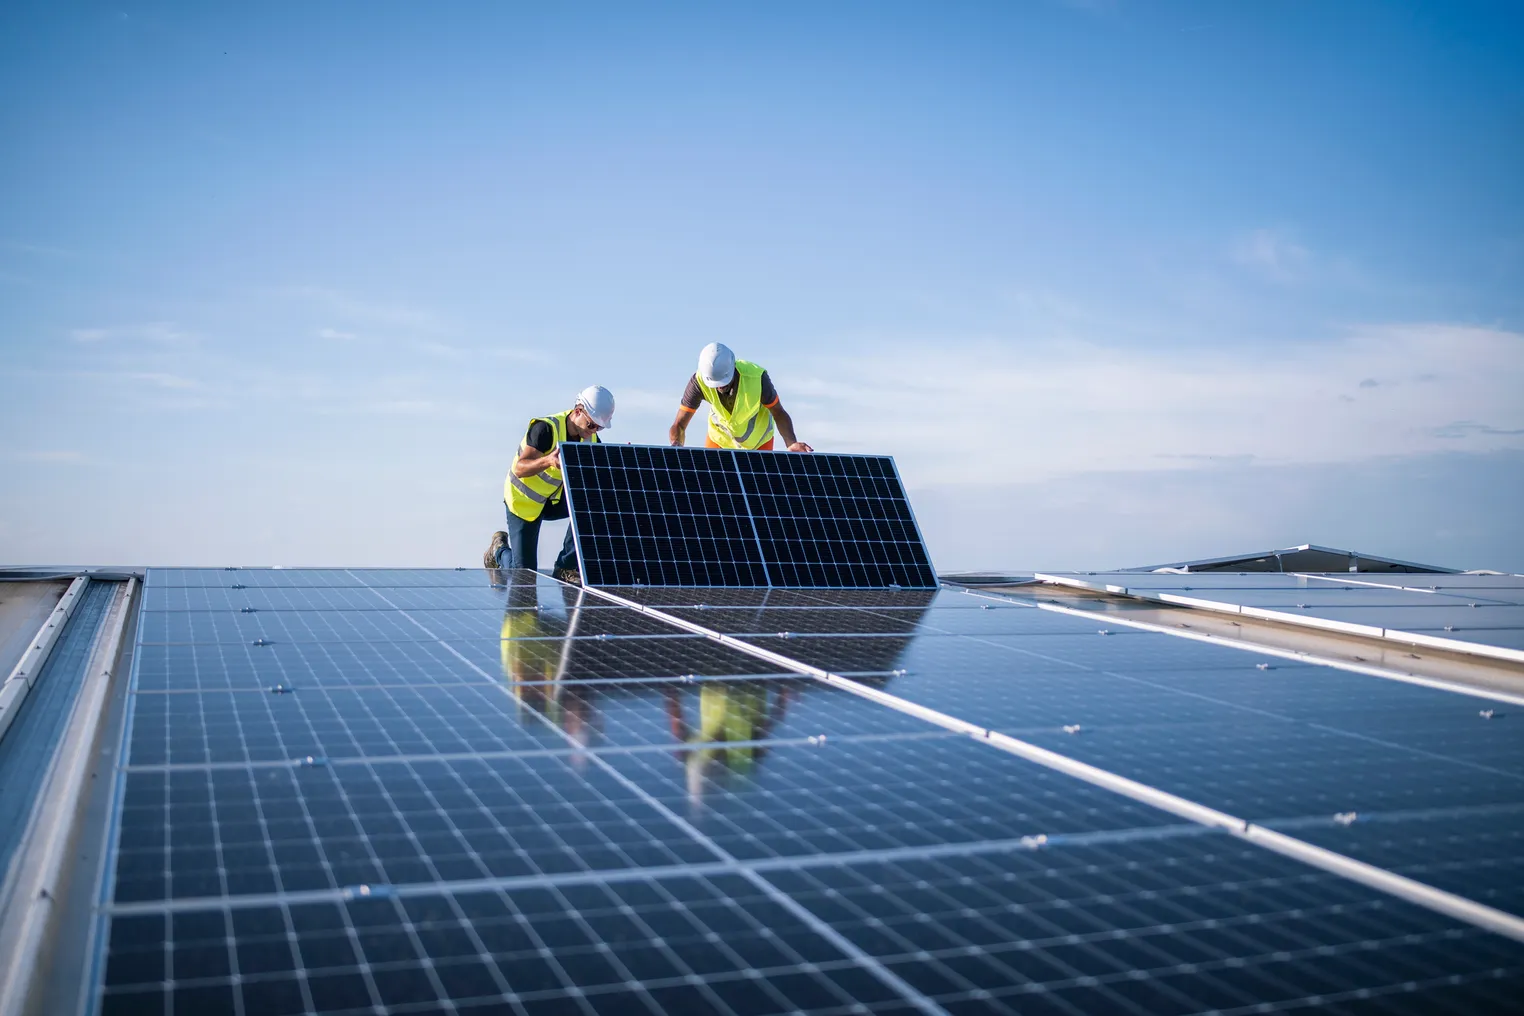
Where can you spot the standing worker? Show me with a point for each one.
(533, 488)
(743, 405)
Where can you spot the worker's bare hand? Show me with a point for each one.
(552, 458)
(800, 446)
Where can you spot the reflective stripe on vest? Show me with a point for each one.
(745, 416)
(526, 495)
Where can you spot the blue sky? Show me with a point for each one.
(1116, 283)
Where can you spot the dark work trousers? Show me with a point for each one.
(523, 550)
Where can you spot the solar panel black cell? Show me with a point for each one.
(834, 521)
(855, 795)
(1187, 925)
(706, 517)
(660, 516)
(662, 945)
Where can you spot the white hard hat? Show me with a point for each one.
(598, 403)
(717, 365)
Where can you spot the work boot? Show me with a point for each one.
(570, 576)
(499, 541)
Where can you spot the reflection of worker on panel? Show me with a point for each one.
(535, 661)
(734, 717)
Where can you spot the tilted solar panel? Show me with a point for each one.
(647, 515)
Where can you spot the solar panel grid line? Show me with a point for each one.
(1447, 903)
(817, 523)
(1253, 928)
(910, 951)
(519, 753)
(763, 865)
(894, 981)
(1330, 1000)
(953, 917)
(706, 555)
(1439, 684)
(839, 544)
(884, 975)
(1369, 738)
(751, 517)
(1245, 708)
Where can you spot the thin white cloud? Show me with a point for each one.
(403, 406)
(1461, 429)
(645, 400)
(336, 335)
(44, 250)
(51, 455)
(162, 332)
(462, 354)
(1272, 254)
(993, 413)
(376, 312)
(160, 379)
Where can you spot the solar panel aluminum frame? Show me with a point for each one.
(569, 470)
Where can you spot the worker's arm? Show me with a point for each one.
(533, 462)
(786, 429)
(678, 432)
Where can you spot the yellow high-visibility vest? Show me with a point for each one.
(526, 495)
(747, 424)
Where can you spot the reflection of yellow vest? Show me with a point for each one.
(526, 495)
(728, 713)
(748, 423)
(524, 661)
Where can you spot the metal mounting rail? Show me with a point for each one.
(27, 919)
(24, 675)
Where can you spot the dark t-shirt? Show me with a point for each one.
(693, 395)
(541, 438)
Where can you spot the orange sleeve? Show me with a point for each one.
(769, 405)
(685, 409)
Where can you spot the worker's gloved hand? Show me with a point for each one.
(800, 446)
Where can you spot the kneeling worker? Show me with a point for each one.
(533, 490)
(743, 406)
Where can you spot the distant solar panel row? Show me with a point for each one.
(648, 515)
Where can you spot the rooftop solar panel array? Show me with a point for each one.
(710, 517)
(550, 807)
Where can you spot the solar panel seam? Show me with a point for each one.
(796, 537)
(799, 862)
(752, 518)
(1450, 904)
(520, 753)
(822, 929)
